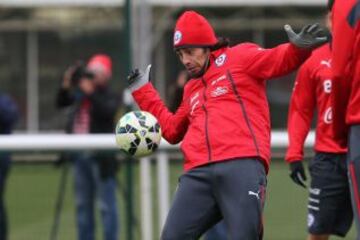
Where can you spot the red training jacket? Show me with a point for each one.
(312, 90)
(346, 64)
(225, 115)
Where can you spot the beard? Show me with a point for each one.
(201, 72)
(197, 74)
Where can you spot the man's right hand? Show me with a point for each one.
(137, 78)
(298, 173)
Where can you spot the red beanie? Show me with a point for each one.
(100, 62)
(193, 30)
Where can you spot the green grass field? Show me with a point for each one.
(32, 190)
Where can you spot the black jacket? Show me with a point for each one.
(103, 107)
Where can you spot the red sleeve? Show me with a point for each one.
(173, 126)
(342, 49)
(301, 111)
(270, 63)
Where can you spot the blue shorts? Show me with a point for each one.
(354, 172)
(329, 206)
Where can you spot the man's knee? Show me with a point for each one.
(172, 234)
(179, 232)
(246, 235)
(246, 231)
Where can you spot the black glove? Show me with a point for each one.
(298, 173)
(310, 36)
(137, 78)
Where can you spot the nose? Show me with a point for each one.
(185, 60)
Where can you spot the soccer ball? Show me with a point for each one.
(138, 133)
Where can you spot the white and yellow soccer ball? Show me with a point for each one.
(138, 133)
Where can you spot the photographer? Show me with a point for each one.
(93, 106)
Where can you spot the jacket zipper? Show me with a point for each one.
(206, 121)
(239, 99)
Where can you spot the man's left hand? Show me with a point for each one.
(138, 79)
(311, 36)
(297, 173)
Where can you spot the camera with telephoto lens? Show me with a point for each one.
(79, 73)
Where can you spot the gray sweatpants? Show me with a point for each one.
(354, 172)
(232, 190)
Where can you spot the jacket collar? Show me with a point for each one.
(215, 54)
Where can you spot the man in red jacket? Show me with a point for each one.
(223, 123)
(329, 206)
(346, 100)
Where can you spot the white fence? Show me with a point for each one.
(118, 3)
(63, 142)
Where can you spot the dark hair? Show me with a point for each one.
(330, 4)
(222, 42)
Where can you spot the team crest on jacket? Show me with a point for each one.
(220, 60)
(177, 37)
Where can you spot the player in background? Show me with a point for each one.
(224, 125)
(346, 89)
(329, 203)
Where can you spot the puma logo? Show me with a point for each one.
(255, 194)
(326, 63)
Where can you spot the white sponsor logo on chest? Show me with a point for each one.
(194, 97)
(220, 60)
(194, 102)
(219, 91)
(223, 77)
